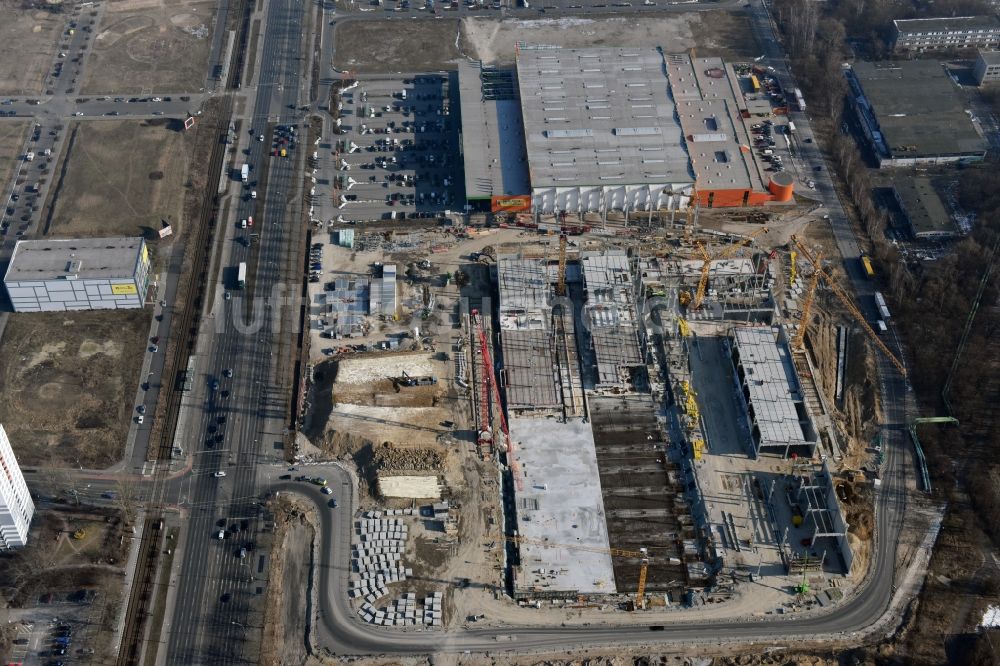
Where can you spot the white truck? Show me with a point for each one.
(245, 173)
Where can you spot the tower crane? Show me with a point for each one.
(798, 344)
(849, 304)
(707, 259)
(642, 553)
(489, 388)
(561, 286)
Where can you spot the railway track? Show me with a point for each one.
(143, 585)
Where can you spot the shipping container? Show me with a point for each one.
(866, 263)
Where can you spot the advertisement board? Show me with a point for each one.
(511, 204)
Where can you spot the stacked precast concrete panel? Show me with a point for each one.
(601, 130)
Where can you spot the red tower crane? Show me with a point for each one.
(489, 387)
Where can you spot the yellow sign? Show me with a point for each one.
(124, 289)
(145, 254)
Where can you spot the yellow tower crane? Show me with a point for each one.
(561, 286)
(642, 553)
(849, 304)
(707, 259)
(798, 344)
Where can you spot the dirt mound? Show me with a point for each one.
(390, 458)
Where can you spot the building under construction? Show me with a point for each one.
(593, 506)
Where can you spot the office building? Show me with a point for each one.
(946, 34)
(78, 274)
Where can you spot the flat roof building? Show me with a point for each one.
(944, 34)
(78, 274)
(492, 138)
(382, 292)
(987, 67)
(16, 507)
(599, 129)
(912, 113)
(925, 212)
(774, 407)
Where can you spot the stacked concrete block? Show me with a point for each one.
(406, 611)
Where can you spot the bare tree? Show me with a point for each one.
(127, 498)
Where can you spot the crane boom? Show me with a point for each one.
(561, 287)
(800, 337)
(490, 387)
(849, 304)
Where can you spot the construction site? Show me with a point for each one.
(662, 433)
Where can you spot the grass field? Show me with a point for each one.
(12, 136)
(30, 38)
(67, 382)
(121, 178)
(151, 47)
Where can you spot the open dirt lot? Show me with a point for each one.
(147, 46)
(286, 623)
(30, 38)
(365, 47)
(368, 47)
(12, 137)
(714, 33)
(121, 178)
(67, 382)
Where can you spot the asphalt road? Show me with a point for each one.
(217, 602)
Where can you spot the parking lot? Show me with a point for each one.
(25, 200)
(61, 632)
(397, 158)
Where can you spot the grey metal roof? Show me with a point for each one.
(770, 380)
(79, 258)
(923, 206)
(599, 117)
(954, 24)
(919, 110)
(492, 140)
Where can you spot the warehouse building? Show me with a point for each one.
(946, 34)
(600, 129)
(925, 213)
(912, 113)
(78, 274)
(987, 67)
(382, 293)
(771, 396)
(16, 507)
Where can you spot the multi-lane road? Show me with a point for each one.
(241, 417)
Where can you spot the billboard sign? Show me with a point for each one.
(511, 204)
